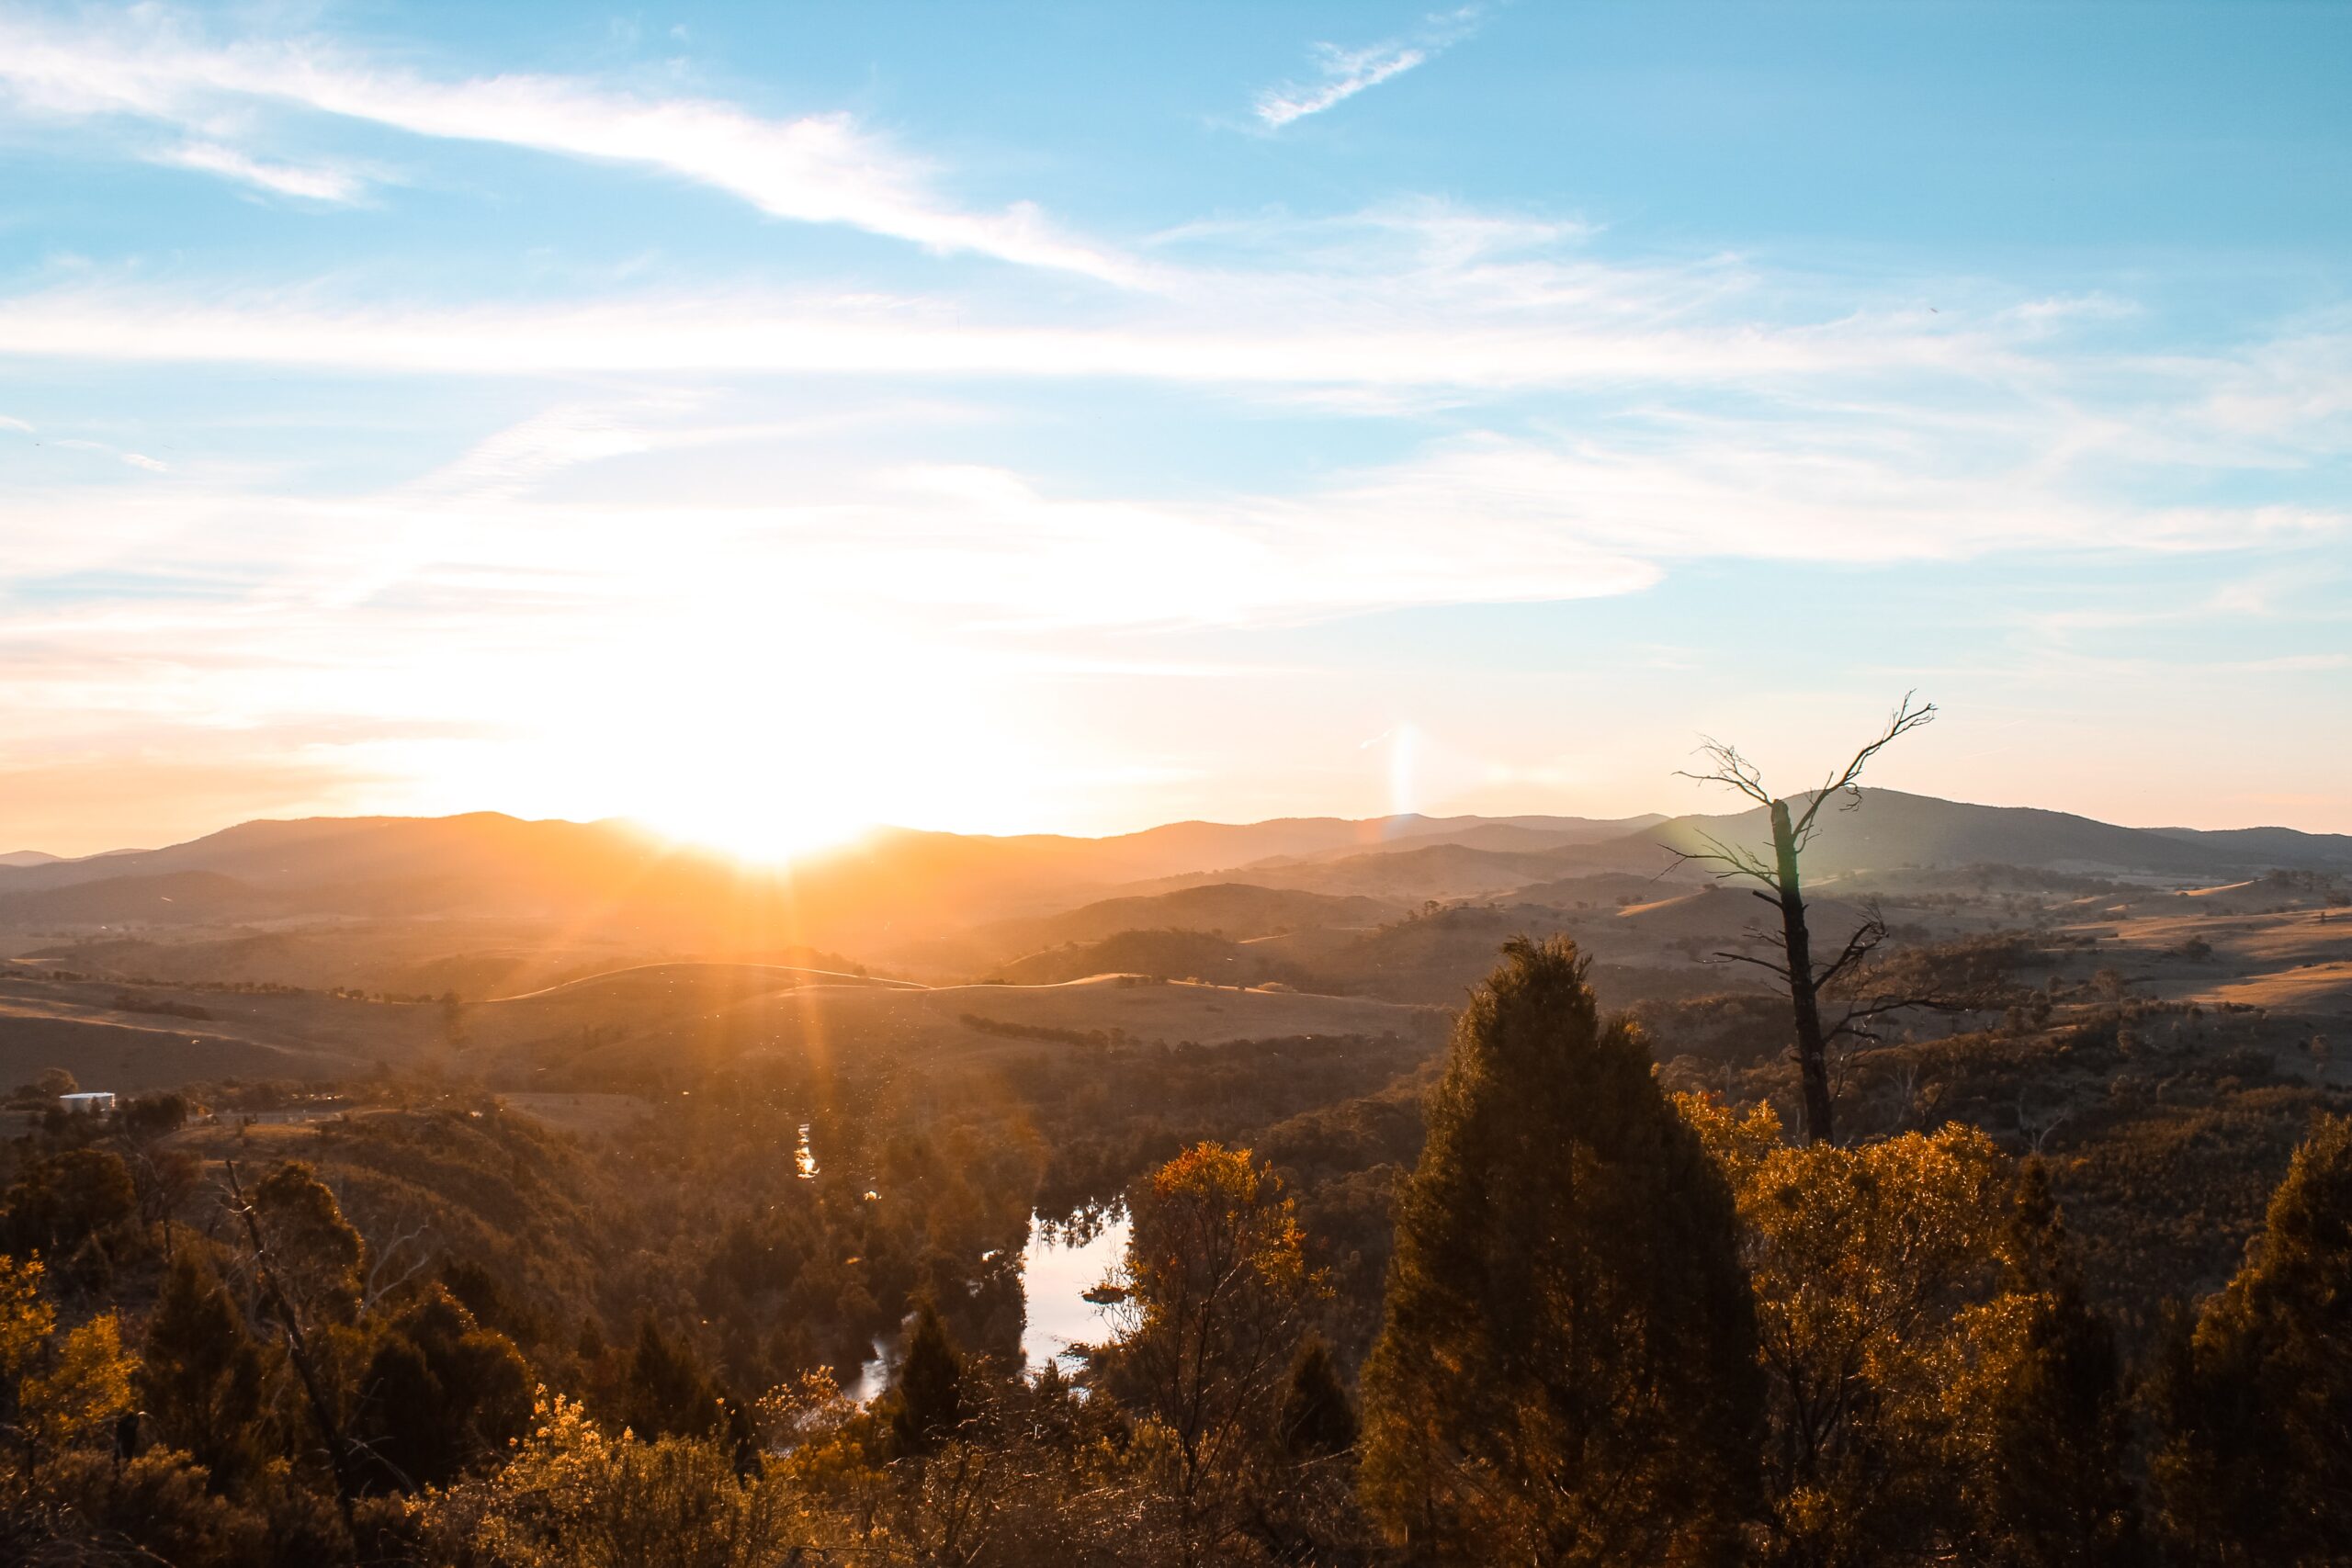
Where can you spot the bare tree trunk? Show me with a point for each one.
(1813, 1050)
(299, 1351)
(1777, 884)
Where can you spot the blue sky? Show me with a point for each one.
(766, 419)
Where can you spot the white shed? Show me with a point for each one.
(89, 1101)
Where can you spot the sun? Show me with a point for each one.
(757, 825)
(773, 742)
(766, 730)
(770, 786)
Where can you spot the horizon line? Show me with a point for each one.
(1636, 821)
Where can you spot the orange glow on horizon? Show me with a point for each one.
(753, 833)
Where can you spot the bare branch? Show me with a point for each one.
(378, 1285)
(1766, 963)
(1730, 768)
(2035, 1127)
(1846, 782)
(298, 1349)
(1858, 947)
(1734, 860)
(1858, 1018)
(1781, 884)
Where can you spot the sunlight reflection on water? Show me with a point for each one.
(1061, 1263)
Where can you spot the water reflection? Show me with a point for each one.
(1064, 1259)
(873, 1378)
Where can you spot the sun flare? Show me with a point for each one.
(770, 730)
(758, 826)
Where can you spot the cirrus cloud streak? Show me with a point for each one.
(147, 65)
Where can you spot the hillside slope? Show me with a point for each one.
(1237, 909)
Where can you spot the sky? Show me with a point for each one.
(764, 419)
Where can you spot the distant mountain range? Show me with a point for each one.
(1889, 829)
(896, 886)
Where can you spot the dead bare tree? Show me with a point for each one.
(390, 1270)
(1780, 886)
(298, 1350)
(2035, 1124)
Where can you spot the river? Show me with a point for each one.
(1062, 1260)
(1061, 1263)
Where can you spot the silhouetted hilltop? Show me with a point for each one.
(1890, 830)
(2278, 849)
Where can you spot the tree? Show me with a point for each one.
(56, 1390)
(201, 1376)
(305, 1256)
(927, 1403)
(440, 1392)
(1211, 1309)
(151, 1116)
(1780, 883)
(1567, 1370)
(669, 1396)
(574, 1496)
(84, 1389)
(313, 1251)
(27, 1321)
(2255, 1402)
(1876, 1273)
(163, 1179)
(65, 1201)
(1317, 1419)
(2059, 1489)
(26, 1316)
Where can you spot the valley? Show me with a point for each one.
(1343, 929)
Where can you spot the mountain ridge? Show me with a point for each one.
(873, 892)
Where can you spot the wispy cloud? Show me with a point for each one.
(1342, 72)
(1474, 520)
(711, 530)
(311, 183)
(82, 444)
(145, 65)
(1346, 73)
(553, 474)
(706, 333)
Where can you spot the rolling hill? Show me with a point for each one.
(612, 878)
(328, 895)
(1168, 954)
(2282, 849)
(813, 1023)
(1237, 909)
(1401, 877)
(169, 897)
(1524, 834)
(1890, 828)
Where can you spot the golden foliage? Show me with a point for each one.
(574, 1496)
(26, 1316)
(85, 1387)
